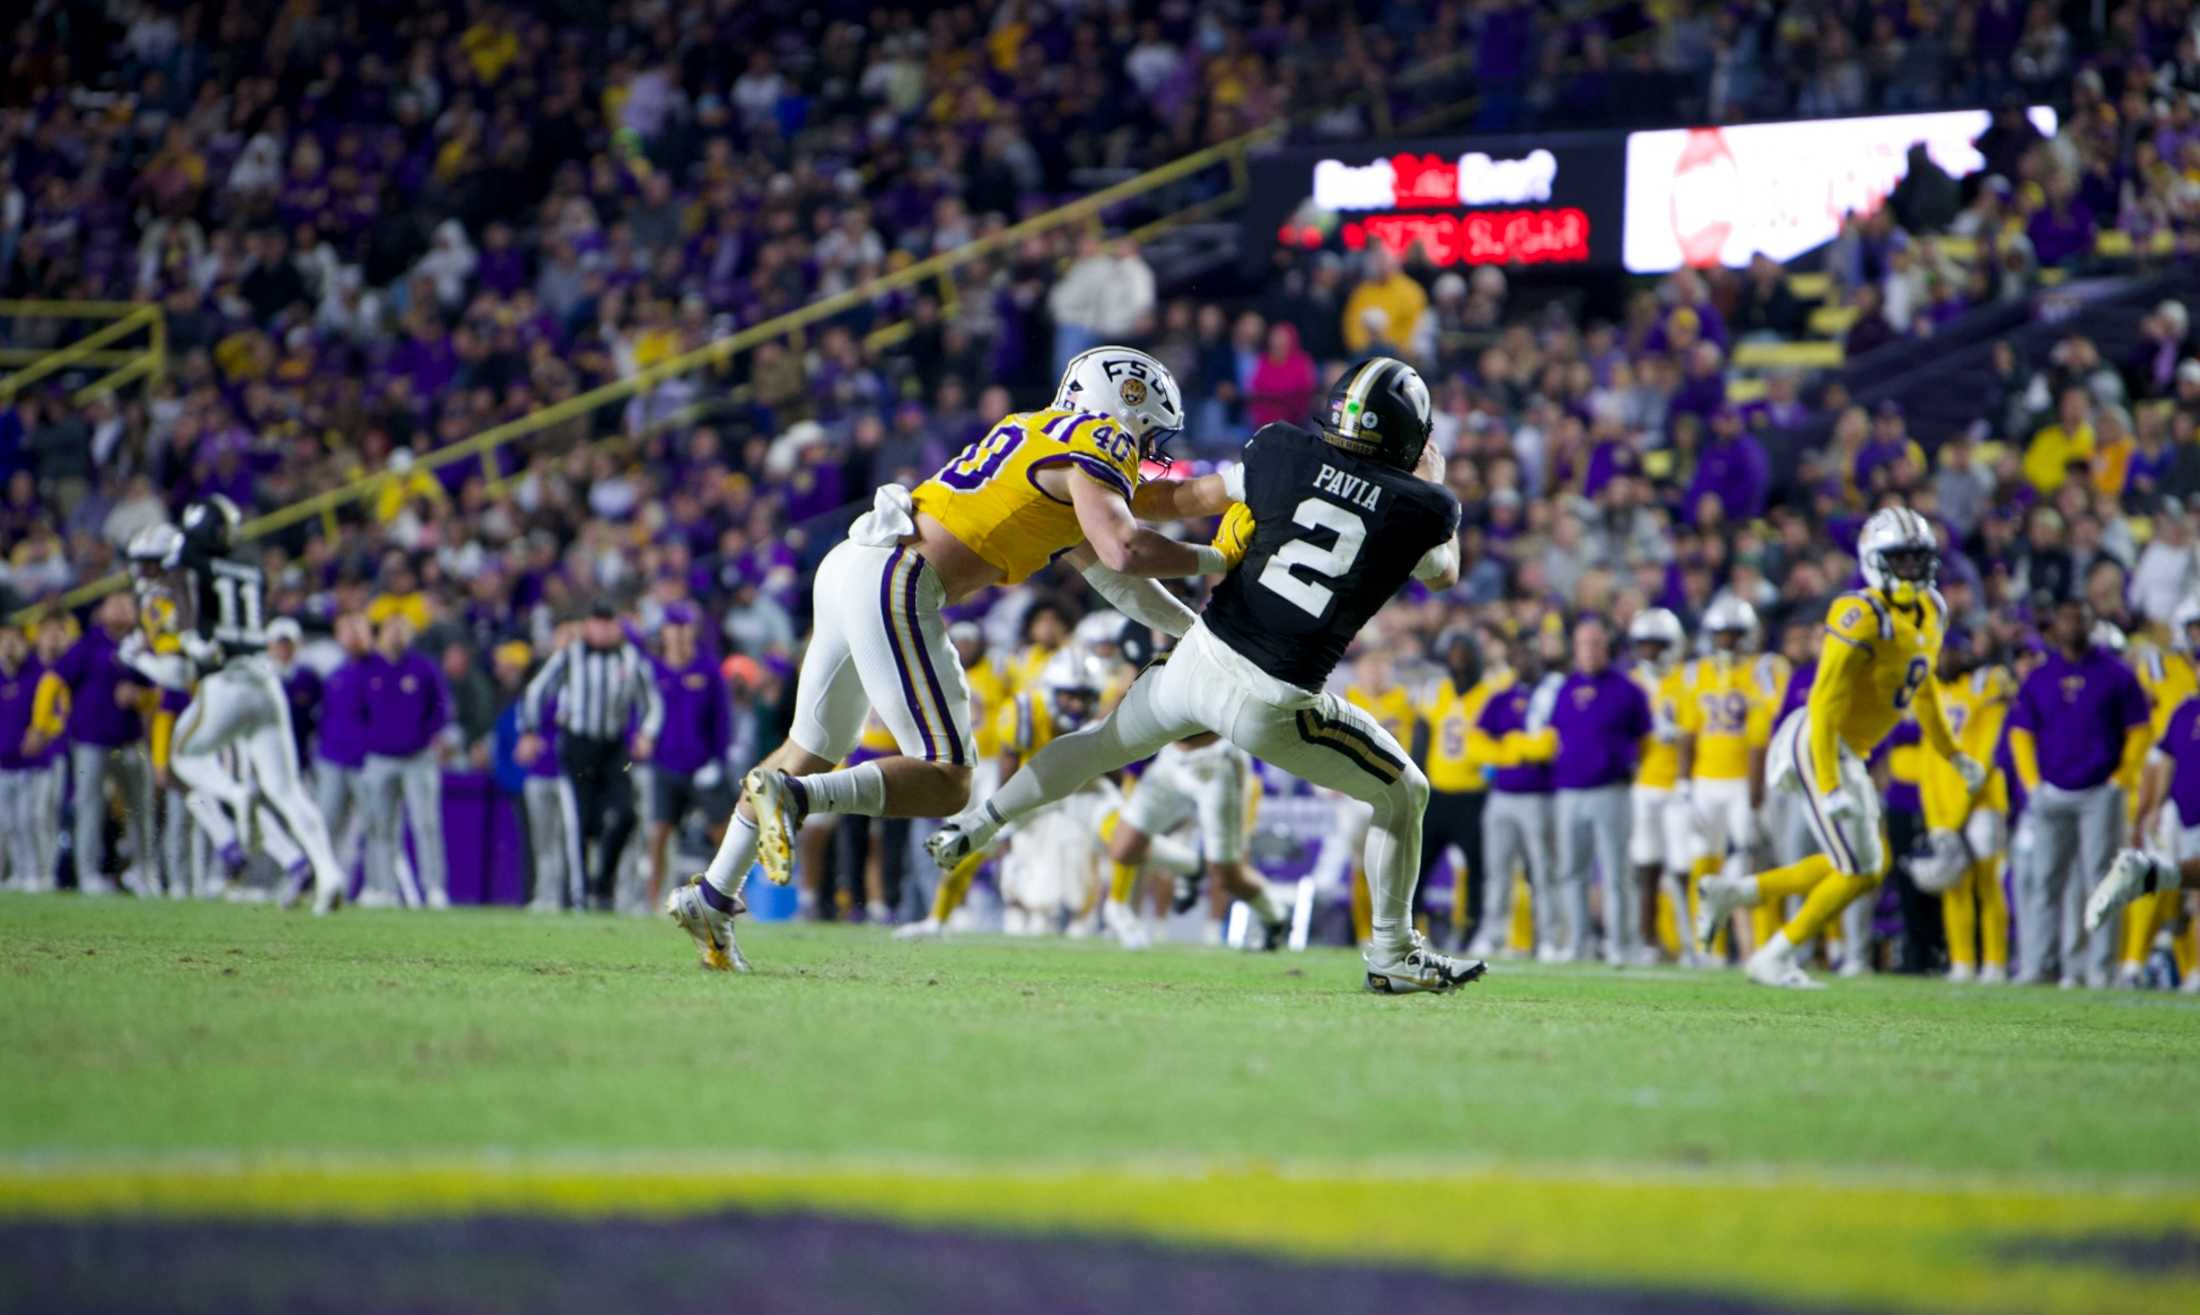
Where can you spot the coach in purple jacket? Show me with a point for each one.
(407, 706)
(1601, 717)
(340, 740)
(106, 735)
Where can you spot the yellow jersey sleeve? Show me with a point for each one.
(1853, 620)
(991, 499)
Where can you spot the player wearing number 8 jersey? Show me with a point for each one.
(1060, 481)
(1881, 646)
(1342, 518)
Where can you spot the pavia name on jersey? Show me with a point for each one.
(1352, 488)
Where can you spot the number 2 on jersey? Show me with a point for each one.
(1330, 563)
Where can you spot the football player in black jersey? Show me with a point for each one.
(1343, 516)
(239, 701)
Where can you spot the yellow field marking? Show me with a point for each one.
(1786, 1237)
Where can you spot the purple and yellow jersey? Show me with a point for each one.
(989, 496)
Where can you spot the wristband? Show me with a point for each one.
(1210, 558)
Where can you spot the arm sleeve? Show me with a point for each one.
(2025, 755)
(653, 700)
(1143, 601)
(1438, 562)
(1932, 720)
(538, 689)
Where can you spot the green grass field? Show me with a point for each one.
(1894, 1143)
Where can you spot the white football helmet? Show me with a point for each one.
(1899, 553)
(1132, 387)
(2181, 623)
(1656, 625)
(154, 548)
(1730, 615)
(1072, 680)
(1100, 630)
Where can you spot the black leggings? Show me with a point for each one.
(1454, 819)
(603, 803)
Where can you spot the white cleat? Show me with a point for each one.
(1994, 974)
(438, 898)
(2134, 873)
(1961, 974)
(1123, 923)
(1717, 899)
(949, 846)
(778, 818)
(708, 926)
(1774, 969)
(923, 929)
(1853, 966)
(1419, 969)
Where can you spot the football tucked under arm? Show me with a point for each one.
(1235, 535)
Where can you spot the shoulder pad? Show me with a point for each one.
(1940, 605)
(1860, 617)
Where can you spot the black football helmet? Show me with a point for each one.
(1380, 410)
(210, 526)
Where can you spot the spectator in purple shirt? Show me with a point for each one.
(407, 706)
(1733, 470)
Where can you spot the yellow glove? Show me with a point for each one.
(1235, 535)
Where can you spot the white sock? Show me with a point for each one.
(860, 790)
(1172, 855)
(729, 868)
(1265, 905)
(1779, 947)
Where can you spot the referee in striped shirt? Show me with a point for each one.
(600, 684)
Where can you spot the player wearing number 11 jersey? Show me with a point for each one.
(1342, 518)
(1881, 648)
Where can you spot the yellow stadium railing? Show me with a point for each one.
(1230, 154)
(98, 348)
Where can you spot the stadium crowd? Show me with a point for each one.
(368, 247)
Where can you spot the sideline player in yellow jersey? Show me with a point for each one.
(1060, 481)
(1373, 688)
(2168, 678)
(1966, 831)
(1875, 663)
(1458, 786)
(1063, 697)
(1727, 714)
(1660, 835)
